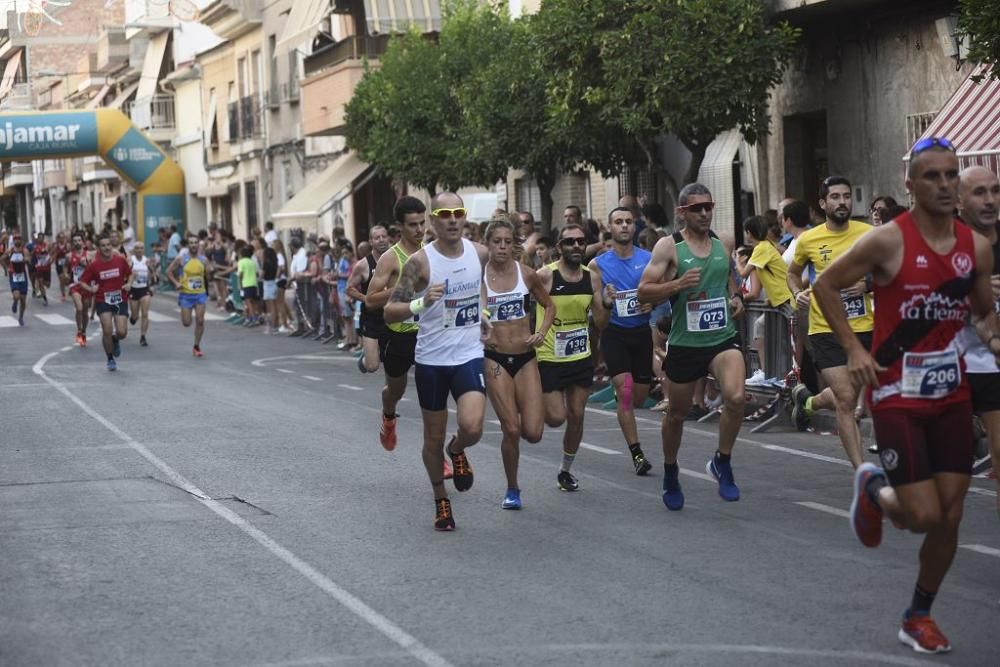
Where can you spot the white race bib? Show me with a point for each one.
(506, 307)
(707, 315)
(463, 312)
(854, 306)
(113, 298)
(930, 374)
(627, 303)
(77, 272)
(18, 278)
(194, 284)
(571, 343)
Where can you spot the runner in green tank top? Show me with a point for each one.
(692, 269)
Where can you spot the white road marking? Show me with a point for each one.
(283, 370)
(982, 492)
(497, 422)
(602, 450)
(160, 317)
(313, 378)
(355, 605)
(981, 549)
(54, 319)
(8, 321)
(66, 349)
(260, 363)
(808, 455)
(698, 475)
(351, 387)
(835, 511)
(212, 317)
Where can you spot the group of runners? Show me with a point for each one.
(459, 313)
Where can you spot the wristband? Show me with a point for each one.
(487, 313)
(417, 306)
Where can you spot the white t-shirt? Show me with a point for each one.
(129, 236)
(300, 262)
(270, 237)
(789, 254)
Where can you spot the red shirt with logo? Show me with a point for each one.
(918, 319)
(110, 276)
(40, 254)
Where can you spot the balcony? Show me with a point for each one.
(230, 19)
(94, 168)
(112, 50)
(331, 75)
(18, 173)
(155, 115)
(152, 16)
(87, 78)
(18, 99)
(246, 124)
(54, 173)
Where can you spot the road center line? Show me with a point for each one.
(355, 605)
(602, 450)
(981, 549)
(820, 507)
(283, 370)
(313, 378)
(351, 387)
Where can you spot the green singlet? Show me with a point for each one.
(701, 314)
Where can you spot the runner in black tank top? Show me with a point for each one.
(372, 323)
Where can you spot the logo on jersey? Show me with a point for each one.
(825, 252)
(962, 263)
(108, 274)
(921, 262)
(934, 307)
(890, 459)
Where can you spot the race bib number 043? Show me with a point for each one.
(854, 306)
(627, 303)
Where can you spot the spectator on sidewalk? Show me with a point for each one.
(298, 273)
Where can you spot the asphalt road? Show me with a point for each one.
(238, 510)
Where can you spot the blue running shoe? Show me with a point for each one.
(116, 348)
(723, 474)
(112, 366)
(512, 501)
(673, 497)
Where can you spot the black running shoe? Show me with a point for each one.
(133, 320)
(443, 519)
(567, 482)
(800, 394)
(462, 476)
(142, 341)
(642, 466)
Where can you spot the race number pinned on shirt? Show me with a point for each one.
(627, 303)
(707, 315)
(194, 284)
(506, 307)
(77, 272)
(461, 312)
(140, 280)
(18, 278)
(854, 306)
(930, 374)
(571, 343)
(113, 298)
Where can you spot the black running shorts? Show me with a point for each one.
(629, 350)
(914, 444)
(827, 351)
(396, 352)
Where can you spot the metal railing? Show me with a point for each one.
(233, 114)
(352, 48)
(250, 117)
(153, 113)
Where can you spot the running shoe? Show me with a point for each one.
(13, 307)
(116, 347)
(447, 473)
(800, 394)
(512, 500)
(133, 320)
(443, 520)
(45, 300)
(921, 633)
(642, 466)
(566, 481)
(866, 515)
(696, 412)
(387, 433)
(20, 320)
(196, 351)
(723, 474)
(83, 340)
(112, 365)
(76, 339)
(142, 341)
(361, 365)
(758, 379)
(462, 476)
(673, 496)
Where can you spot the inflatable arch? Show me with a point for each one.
(158, 180)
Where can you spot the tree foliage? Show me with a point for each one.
(979, 26)
(691, 68)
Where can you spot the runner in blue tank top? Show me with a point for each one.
(626, 341)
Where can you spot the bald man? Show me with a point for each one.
(978, 206)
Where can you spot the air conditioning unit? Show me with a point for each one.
(952, 44)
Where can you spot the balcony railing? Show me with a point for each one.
(290, 91)
(153, 113)
(250, 117)
(19, 97)
(233, 113)
(351, 48)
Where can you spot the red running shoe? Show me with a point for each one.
(922, 634)
(196, 351)
(448, 473)
(387, 432)
(866, 516)
(443, 520)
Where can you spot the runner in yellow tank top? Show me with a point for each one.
(191, 284)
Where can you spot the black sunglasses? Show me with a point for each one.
(577, 241)
(929, 143)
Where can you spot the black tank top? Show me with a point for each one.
(365, 312)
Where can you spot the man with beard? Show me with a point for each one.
(565, 363)
(372, 325)
(978, 202)
(820, 246)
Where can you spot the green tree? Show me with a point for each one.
(979, 26)
(644, 68)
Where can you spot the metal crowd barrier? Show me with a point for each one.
(778, 350)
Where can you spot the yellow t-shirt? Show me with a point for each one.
(772, 272)
(820, 246)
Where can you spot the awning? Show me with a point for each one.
(716, 173)
(321, 192)
(392, 16)
(970, 119)
(10, 74)
(95, 101)
(302, 25)
(123, 96)
(151, 65)
(213, 190)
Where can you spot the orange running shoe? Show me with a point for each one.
(866, 515)
(443, 520)
(922, 634)
(387, 433)
(462, 477)
(83, 340)
(196, 351)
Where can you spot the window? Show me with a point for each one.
(250, 199)
(241, 77)
(528, 197)
(256, 72)
(272, 63)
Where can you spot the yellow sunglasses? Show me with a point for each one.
(447, 213)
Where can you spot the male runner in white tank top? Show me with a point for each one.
(449, 352)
